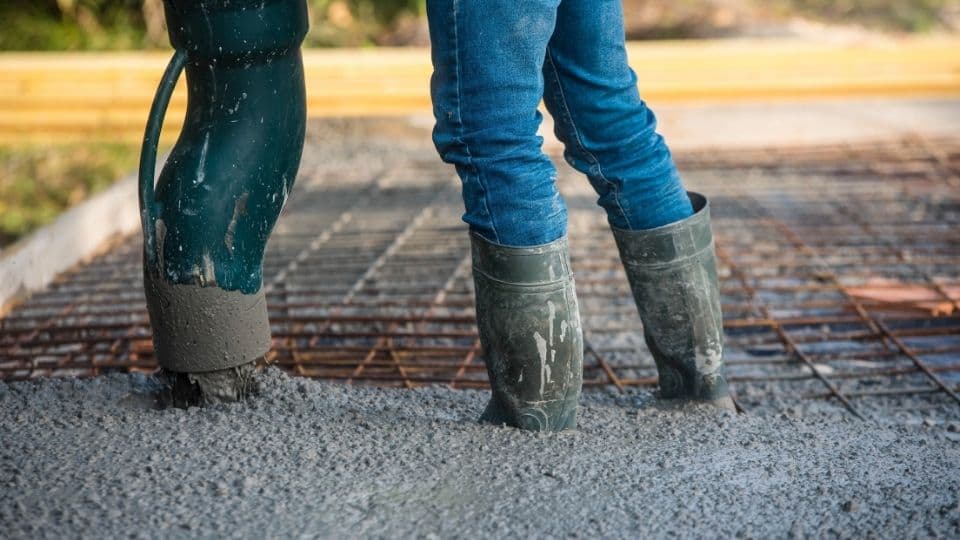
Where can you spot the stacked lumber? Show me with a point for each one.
(72, 96)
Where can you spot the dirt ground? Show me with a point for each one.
(93, 458)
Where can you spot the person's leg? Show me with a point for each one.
(609, 132)
(662, 232)
(486, 86)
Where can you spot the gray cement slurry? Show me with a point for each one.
(200, 329)
(91, 458)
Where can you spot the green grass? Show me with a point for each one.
(897, 15)
(121, 24)
(38, 25)
(37, 183)
(73, 25)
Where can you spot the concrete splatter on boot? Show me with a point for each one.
(673, 275)
(530, 330)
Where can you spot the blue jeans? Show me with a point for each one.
(493, 62)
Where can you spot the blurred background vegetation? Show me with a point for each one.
(136, 24)
(38, 182)
(902, 15)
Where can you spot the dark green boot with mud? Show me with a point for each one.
(530, 330)
(207, 222)
(673, 275)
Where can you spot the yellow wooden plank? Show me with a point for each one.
(63, 95)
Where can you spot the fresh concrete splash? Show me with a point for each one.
(308, 459)
(194, 389)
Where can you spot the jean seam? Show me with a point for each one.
(579, 140)
(460, 126)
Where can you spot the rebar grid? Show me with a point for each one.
(838, 278)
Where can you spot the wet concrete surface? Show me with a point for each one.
(92, 458)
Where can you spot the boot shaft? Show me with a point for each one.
(529, 325)
(673, 276)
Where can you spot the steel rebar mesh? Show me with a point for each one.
(838, 272)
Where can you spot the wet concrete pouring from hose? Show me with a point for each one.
(840, 295)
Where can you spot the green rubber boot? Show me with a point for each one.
(530, 330)
(673, 275)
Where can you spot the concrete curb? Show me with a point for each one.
(34, 262)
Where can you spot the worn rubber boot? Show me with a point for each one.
(673, 275)
(207, 221)
(529, 326)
